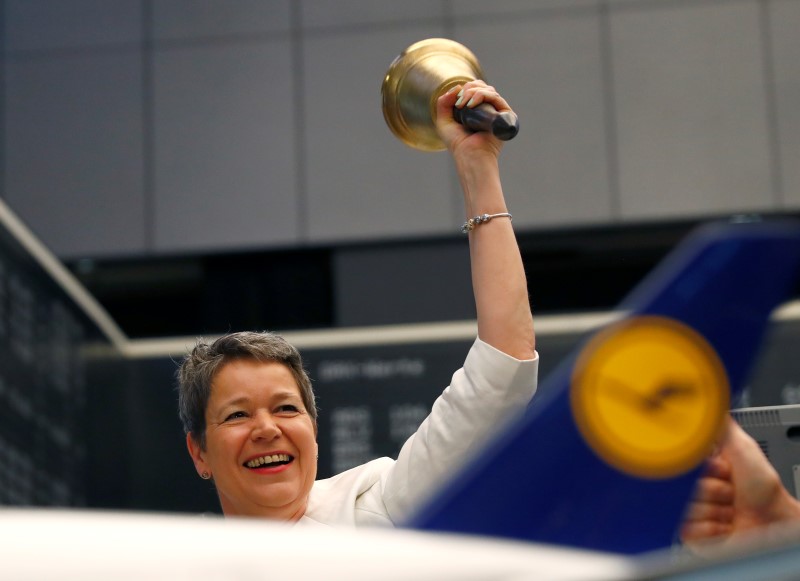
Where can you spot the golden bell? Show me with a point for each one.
(415, 80)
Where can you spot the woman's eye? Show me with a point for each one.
(288, 409)
(234, 416)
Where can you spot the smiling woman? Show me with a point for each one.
(248, 408)
(260, 440)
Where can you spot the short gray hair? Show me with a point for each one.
(198, 369)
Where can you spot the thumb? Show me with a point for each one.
(758, 485)
(448, 128)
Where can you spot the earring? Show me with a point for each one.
(205, 476)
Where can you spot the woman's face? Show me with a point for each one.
(261, 444)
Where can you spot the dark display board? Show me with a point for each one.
(371, 399)
(43, 384)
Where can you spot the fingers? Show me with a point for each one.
(446, 102)
(474, 93)
(713, 504)
(455, 136)
(710, 511)
(715, 490)
(710, 516)
(471, 95)
(694, 531)
(740, 491)
(718, 467)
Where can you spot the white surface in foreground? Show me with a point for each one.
(68, 545)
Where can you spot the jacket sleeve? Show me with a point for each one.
(484, 395)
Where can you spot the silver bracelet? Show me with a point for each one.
(472, 222)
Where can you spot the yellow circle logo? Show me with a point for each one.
(650, 395)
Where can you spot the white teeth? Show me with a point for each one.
(256, 462)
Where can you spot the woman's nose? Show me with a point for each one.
(264, 427)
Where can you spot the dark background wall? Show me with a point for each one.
(155, 128)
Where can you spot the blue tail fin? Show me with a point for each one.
(608, 457)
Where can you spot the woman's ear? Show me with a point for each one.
(198, 455)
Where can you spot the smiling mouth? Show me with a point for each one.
(269, 461)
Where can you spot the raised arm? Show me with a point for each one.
(498, 378)
(498, 278)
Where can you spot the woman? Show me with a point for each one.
(248, 409)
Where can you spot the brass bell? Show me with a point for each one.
(418, 77)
